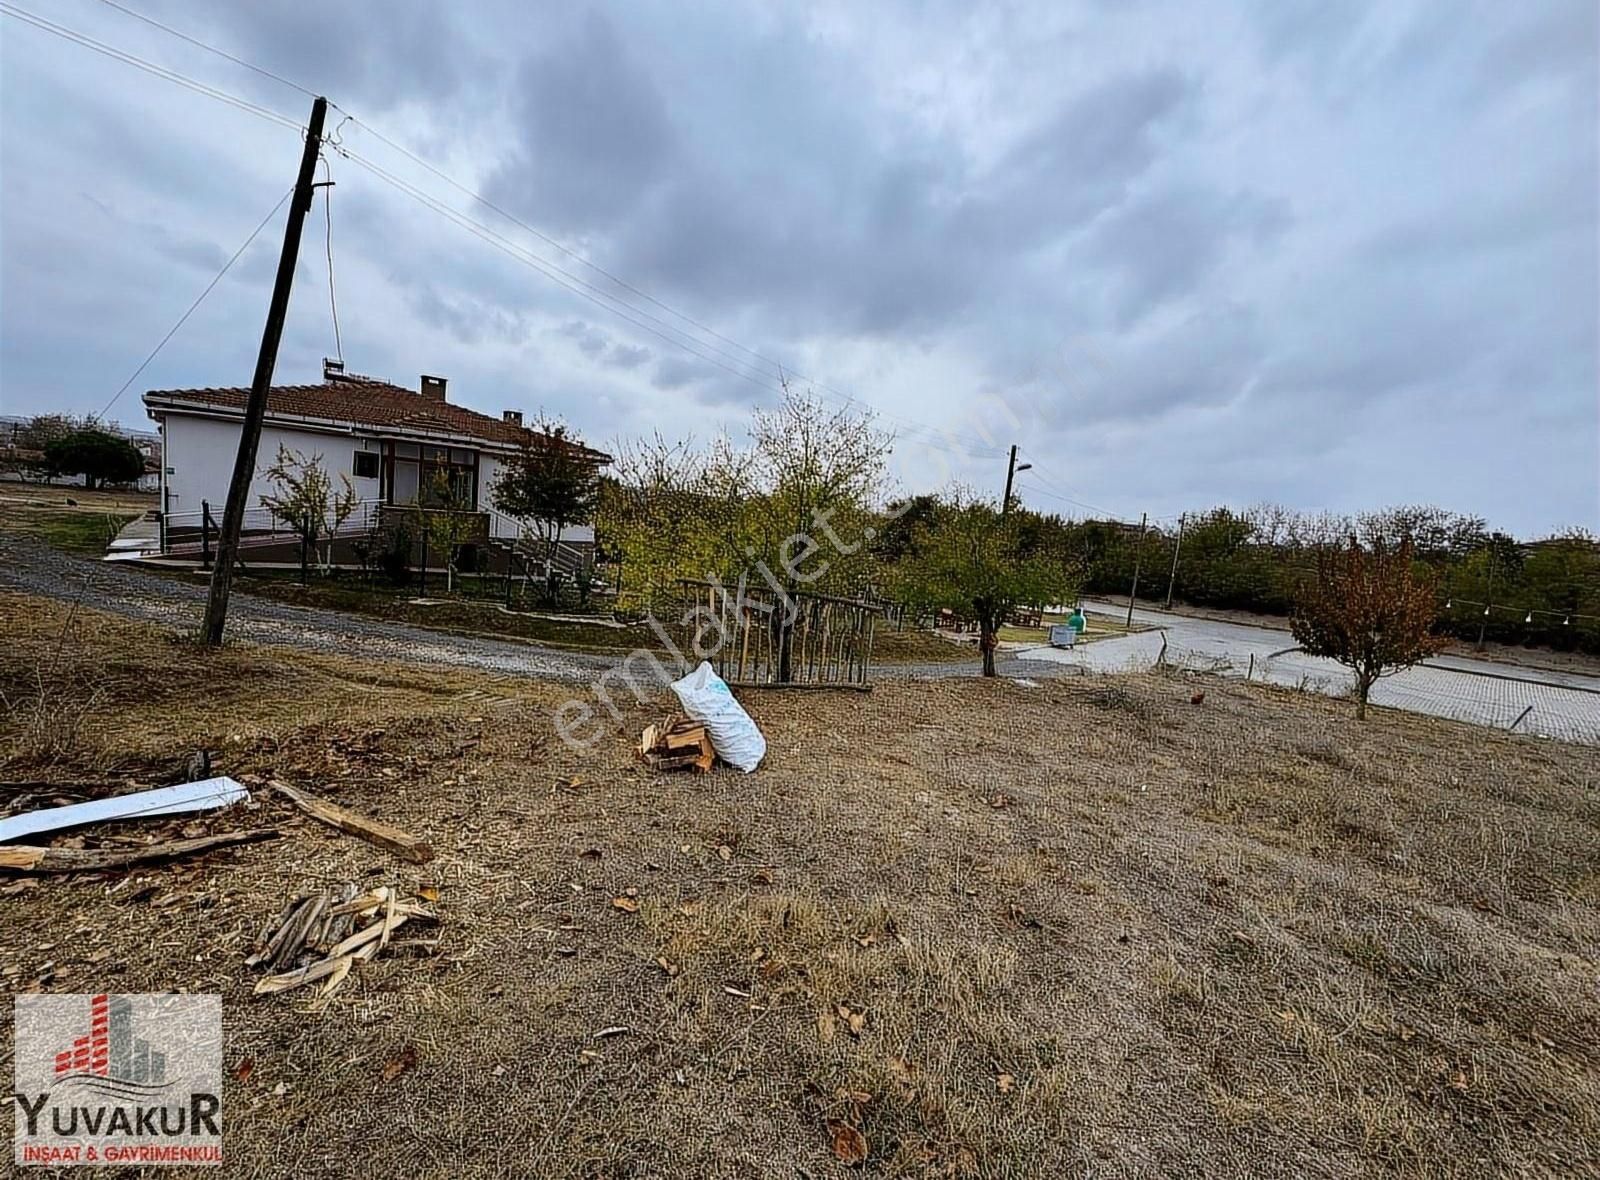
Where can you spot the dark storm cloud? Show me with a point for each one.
(1241, 252)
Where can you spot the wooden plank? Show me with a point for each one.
(392, 839)
(307, 974)
(28, 858)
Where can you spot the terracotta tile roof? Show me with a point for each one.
(366, 403)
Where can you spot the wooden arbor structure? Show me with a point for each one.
(755, 638)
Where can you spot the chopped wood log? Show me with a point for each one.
(308, 974)
(339, 922)
(274, 941)
(28, 858)
(402, 844)
(297, 932)
(677, 743)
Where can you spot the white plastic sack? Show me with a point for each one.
(705, 697)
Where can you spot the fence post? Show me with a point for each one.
(422, 570)
(205, 534)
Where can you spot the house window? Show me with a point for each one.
(434, 476)
(366, 465)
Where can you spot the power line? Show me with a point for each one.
(777, 367)
(578, 287)
(134, 376)
(933, 436)
(238, 61)
(149, 67)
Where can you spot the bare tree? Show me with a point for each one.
(306, 499)
(1371, 609)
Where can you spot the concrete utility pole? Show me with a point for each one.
(1011, 472)
(1172, 578)
(1138, 560)
(244, 464)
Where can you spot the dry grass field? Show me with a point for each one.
(1088, 928)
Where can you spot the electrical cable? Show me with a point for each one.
(780, 371)
(327, 211)
(238, 61)
(134, 376)
(149, 67)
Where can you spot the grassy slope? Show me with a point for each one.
(1244, 937)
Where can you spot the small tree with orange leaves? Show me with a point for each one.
(1369, 608)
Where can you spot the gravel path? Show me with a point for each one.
(31, 567)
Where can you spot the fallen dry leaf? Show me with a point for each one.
(854, 1021)
(725, 853)
(849, 1144)
(901, 1070)
(628, 905)
(428, 892)
(244, 1069)
(827, 1026)
(397, 1065)
(761, 877)
(1005, 1083)
(670, 968)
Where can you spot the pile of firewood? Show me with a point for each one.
(315, 938)
(677, 744)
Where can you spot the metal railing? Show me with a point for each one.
(520, 537)
(195, 531)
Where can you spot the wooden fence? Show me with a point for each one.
(758, 638)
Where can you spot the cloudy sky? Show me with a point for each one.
(1330, 255)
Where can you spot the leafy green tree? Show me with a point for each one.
(548, 485)
(99, 457)
(971, 558)
(1371, 608)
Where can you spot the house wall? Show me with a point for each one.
(199, 454)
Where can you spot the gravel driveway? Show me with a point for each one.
(31, 567)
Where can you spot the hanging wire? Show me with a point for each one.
(199, 299)
(333, 299)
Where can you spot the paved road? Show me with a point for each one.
(1563, 705)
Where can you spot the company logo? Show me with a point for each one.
(111, 1079)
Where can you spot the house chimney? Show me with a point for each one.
(332, 370)
(512, 416)
(433, 388)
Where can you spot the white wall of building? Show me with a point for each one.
(199, 455)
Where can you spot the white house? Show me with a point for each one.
(390, 441)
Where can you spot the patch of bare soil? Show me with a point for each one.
(951, 928)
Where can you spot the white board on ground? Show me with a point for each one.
(205, 795)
